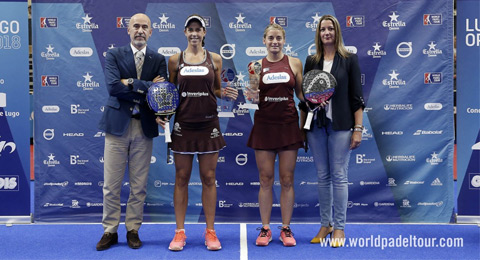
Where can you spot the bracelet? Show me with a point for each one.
(359, 126)
(356, 129)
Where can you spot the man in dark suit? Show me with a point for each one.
(130, 128)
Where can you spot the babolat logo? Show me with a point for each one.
(51, 162)
(87, 25)
(164, 25)
(122, 22)
(272, 78)
(355, 21)
(50, 54)
(8, 183)
(87, 83)
(240, 25)
(394, 23)
(49, 81)
(48, 22)
(376, 53)
(434, 160)
(432, 78)
(432, 50)
(432, 19)
(394, 81)
(280, 20)
(313, 25)
(428, 132)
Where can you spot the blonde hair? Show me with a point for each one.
(273, 26)
(339, 46)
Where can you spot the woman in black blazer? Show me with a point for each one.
(336, 128)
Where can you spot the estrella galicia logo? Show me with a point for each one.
(432, 78)
(48, 22)
(313, 25)
(432, 19)
(240, 25)
(87, 25)
(355, 21)
(49, 81)
(122, 22)
(280, 20)
(164, 25)
(50, 54)
(88, 83)
(9, 183)
(377, 52)
(432, 50)
(394, 23)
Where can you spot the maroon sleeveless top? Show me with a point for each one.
(277, 84)
(198, 102)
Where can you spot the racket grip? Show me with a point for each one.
(308, 121)
(168, 139)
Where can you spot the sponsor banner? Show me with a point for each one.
(70, 95)
(468, 109)
(14, 112)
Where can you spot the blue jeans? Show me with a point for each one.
(331, 154)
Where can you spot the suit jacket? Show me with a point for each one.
(348, 96)
(120, 64)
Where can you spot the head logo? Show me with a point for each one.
(122, 22)
(87, 25)
(313, 25)
(48, 22)
(394, 23)
(432, 19)
(355, 21)
(404, 49)
(376, 53)
(49, 134)
(240, 25)
(164, 25)
(280, 20)
(227, 51)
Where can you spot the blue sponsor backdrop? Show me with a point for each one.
(14, 112)
(468, 108)
(401, 173)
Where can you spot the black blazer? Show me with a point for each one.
(348, 96)
(120, 64)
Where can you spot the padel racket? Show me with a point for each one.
(318, 87)
(163, 99)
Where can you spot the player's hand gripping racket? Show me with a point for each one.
(163, 99)
(318, 87)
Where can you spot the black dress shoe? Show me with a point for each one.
(133, 239)
(107, 240)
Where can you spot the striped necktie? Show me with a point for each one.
(139, 63)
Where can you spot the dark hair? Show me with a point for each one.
(196, 18)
